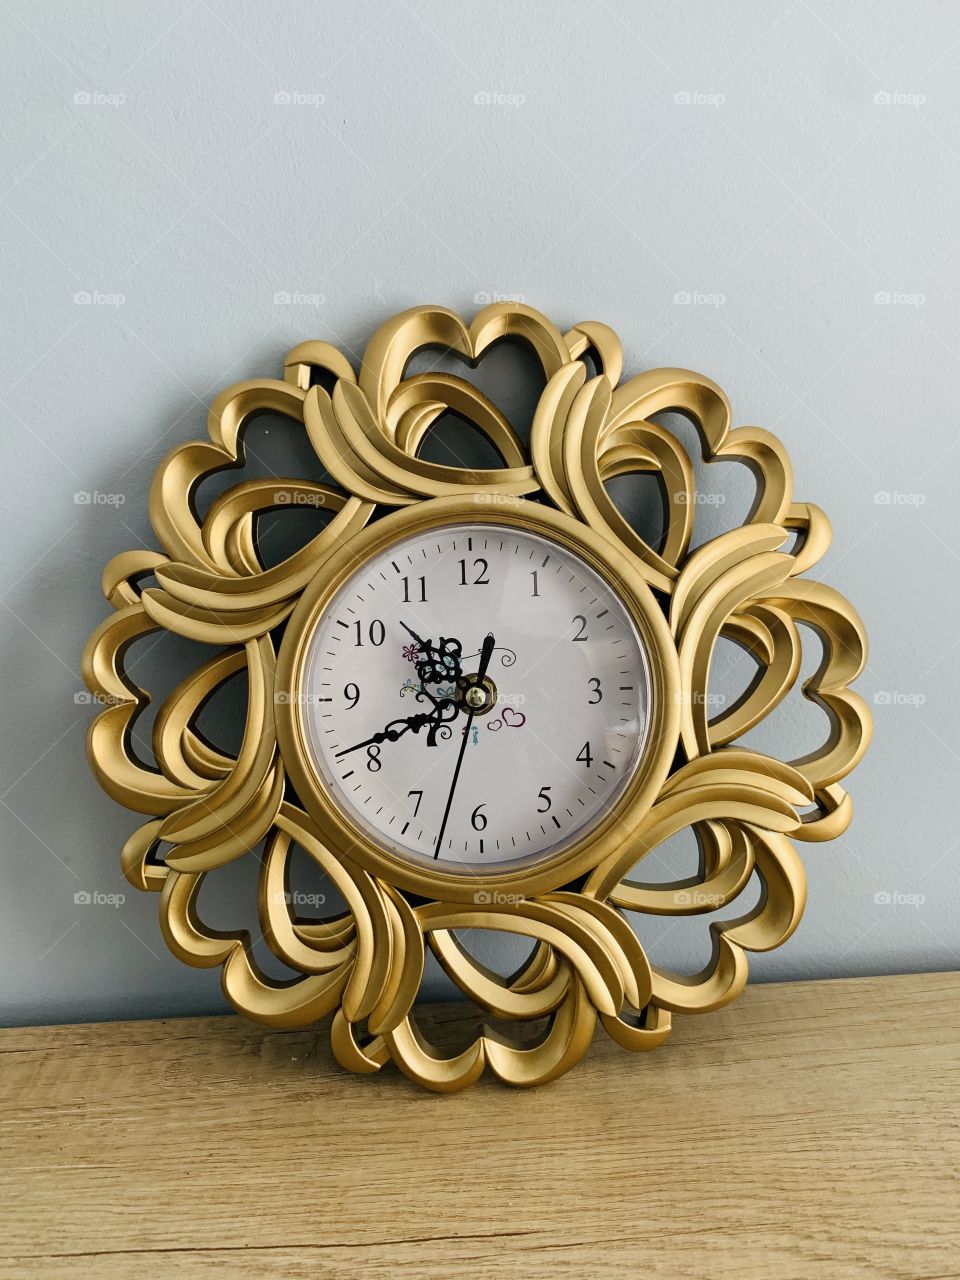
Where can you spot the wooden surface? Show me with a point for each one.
(811, 1129)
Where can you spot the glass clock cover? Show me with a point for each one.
(475, 695)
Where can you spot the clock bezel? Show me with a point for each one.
(347, 838)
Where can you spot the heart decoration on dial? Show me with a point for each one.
(512, 719)
(477, 699)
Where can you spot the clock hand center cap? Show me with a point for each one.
(478, 696)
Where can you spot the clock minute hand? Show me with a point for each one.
(485, 653)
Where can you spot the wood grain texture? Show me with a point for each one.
(811, 1129)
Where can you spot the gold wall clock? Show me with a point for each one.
(478, 700)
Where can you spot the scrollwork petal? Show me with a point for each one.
(603, 342)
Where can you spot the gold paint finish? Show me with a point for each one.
(206, 806)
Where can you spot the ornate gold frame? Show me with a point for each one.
(207, 807)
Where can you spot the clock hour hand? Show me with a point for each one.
(433, 721)
(486, 653)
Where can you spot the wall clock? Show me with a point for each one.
(478, 700)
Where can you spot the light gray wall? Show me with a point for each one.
(184, 163)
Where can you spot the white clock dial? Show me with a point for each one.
(468, 775)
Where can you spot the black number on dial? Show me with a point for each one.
(352, 694)
(585, 755)
(478, 820)
(422, 594)
(581, 622)
(547, 802)
(374, 763)
(595, 688)
(376, 633)
(480, 567)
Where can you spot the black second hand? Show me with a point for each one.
(485, 652)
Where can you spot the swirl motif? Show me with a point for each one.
(205, 807)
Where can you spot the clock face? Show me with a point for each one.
(475, 696)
